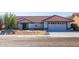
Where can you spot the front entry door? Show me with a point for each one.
(25, 26)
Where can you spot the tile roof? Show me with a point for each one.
(22, 19)
(31, 18)
(58, 18)
(27, 19)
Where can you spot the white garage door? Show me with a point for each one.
(56, 27)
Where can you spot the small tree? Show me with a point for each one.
(10, 21)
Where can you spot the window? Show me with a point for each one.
(52, 22)
(58, 22)
(63, 22)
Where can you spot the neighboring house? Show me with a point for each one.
(76, 18)
(53, 23)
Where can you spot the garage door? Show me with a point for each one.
(56, 27)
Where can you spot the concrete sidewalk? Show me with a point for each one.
(64, 34)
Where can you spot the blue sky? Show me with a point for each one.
(65, 14)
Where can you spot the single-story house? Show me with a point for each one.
(53, 23)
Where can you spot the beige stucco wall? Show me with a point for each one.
(76, 20)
